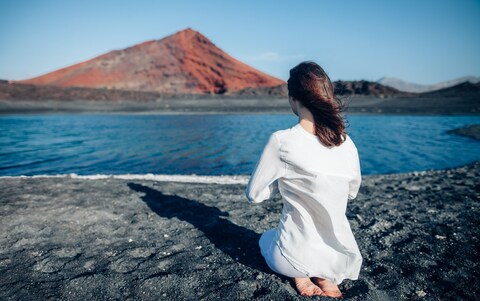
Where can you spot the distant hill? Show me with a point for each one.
(342, 88)
(362, 87)
(405, 86)
(465, 90)
(183, 63)
(13, 90)
(363, 97)
(10, 90)
(276, 91)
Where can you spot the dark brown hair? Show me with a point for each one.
(309, 84)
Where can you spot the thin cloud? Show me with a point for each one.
(271, 56)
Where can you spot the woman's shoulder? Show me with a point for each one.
(284, 134)
(350, 142)
(293, 138)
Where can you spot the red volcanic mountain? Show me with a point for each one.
(183, 63)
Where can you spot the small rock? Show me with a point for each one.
(414, 188)
(421, 293)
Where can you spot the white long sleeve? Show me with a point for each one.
(354, 185)
(263, 184)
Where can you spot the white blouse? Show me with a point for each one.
(315, 183)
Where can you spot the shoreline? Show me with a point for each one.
(211, 179)
(354, 105)
(228, 113)
(76, 239)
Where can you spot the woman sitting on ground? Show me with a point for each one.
(315, 167)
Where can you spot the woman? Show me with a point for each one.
(315, 166)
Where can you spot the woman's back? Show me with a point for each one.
(299, 160)
(307, 156)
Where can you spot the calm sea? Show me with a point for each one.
(213, 144)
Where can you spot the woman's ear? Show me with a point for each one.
(294, 105)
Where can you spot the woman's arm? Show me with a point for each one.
(263, 184)
(354, 185)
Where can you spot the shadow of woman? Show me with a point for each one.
(240, 243)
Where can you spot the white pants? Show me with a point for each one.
(274, 258)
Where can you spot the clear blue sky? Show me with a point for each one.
(420, 41)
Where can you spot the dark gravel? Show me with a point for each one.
(113, 239)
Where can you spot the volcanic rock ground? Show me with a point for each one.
(114, 239)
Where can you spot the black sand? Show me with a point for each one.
(112, 239)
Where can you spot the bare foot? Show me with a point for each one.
(307, 288)
(328, 287)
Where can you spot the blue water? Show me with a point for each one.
(213, 144)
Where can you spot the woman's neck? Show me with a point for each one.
(306, 120)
